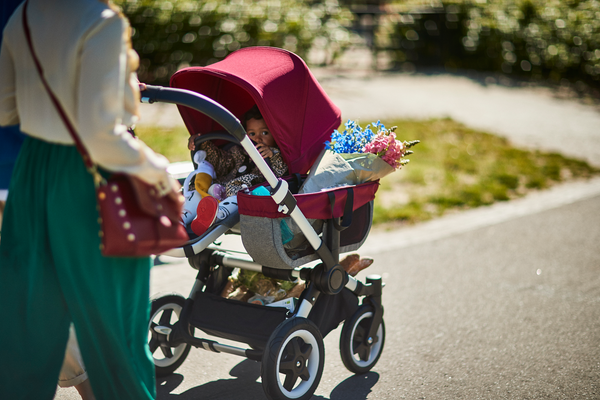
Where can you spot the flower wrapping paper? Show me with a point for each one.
(344, 169)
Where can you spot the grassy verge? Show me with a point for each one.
(170, 142)
(453, 168)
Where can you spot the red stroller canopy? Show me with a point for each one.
(298, 112)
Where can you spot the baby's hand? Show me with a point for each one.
(264, 150)
(191, 144)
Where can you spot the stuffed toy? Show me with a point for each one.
(201, 202)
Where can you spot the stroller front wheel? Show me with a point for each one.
(164, 314)
(360, 355)
(292, 364)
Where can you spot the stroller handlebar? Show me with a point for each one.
(231, 124)
(198, 102)
(214, 110)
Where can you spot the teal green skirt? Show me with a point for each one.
(52, 273)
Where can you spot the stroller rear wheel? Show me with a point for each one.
(164, 314)
(293, 361)
(360, 355)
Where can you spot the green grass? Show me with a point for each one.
(170, 142)
(453, 168)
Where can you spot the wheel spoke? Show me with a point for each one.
(304, 374)
(166, 350)
(153, 344)
(359, 346)
(306, 350)
(165, 318)
(295, 350)
(287, 366)
(359, 333)
(293, 363)
(363, 351)
(290, 380)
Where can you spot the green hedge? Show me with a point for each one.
(554, 41)
(171, 34)
(549, 41)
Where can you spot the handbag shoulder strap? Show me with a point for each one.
(80, 147)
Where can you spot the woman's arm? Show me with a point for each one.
(104, 104)
(8, 103)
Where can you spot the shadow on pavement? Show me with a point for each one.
(357, 387)
(244, 386)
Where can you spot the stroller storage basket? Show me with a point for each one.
(260, 224)
(234, 320)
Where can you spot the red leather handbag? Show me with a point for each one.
(135, 220)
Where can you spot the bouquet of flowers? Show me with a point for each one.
(356, 156)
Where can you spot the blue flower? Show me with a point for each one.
(353, 139)
(380, 127)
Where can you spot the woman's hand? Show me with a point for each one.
(264, 150)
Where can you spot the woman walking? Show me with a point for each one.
(51, 270)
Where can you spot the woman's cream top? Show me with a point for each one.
(84, 49)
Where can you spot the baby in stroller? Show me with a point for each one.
(222, 173)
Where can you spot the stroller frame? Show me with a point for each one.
(290, 345)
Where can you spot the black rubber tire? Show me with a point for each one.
(359, 358)
(296, 348)
(165, 311)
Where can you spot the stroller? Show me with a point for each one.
(288, 341)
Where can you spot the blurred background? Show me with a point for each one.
(517, 42)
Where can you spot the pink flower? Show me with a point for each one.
(394, 152)
(377, 145)
(385, 145)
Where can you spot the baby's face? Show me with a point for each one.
(259, 132)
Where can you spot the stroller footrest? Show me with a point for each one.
(242, 322)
